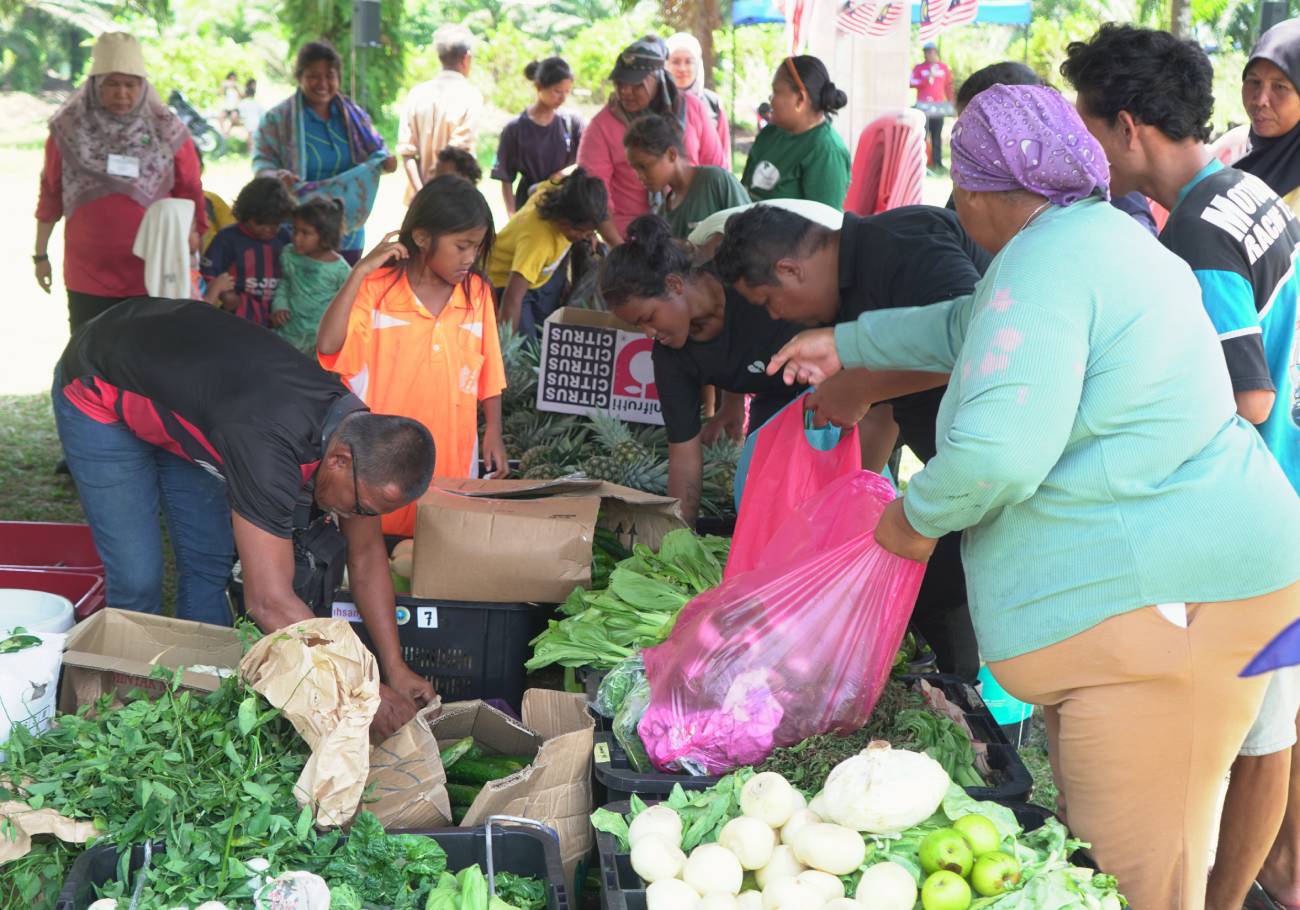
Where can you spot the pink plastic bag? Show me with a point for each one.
(801, 645)
(784, 473)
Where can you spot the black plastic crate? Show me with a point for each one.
(717, 525)
(615, 773)
(518, 845)
(467, 650)
(622, 889)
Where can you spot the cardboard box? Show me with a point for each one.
(115, 651)
(592, 362)
(525, 541)
(556, 788)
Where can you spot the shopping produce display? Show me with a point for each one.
(646, 592)
(890, 830)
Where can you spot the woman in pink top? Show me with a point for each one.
(641, 86)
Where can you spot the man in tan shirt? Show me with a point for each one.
(441, 112)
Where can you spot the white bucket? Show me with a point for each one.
(35, 611)
(29, 681)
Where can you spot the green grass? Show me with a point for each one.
(29, 488)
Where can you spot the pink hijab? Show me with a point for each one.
(87, 134)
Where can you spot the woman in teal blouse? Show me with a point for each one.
(1129, 542)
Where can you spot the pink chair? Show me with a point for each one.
(889, 165)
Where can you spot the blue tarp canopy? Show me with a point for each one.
(755, 12)
(993, 12)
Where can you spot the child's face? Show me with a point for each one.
(306, 239)
(263, 232)
(577, 233)
(654, 171)
(453, 255)
(444, 169)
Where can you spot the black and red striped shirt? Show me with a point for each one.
(214, 389)
(254, 264)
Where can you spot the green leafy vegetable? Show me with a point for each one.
(188, 770)
(391, 870)
(646, 592)
(520, 891)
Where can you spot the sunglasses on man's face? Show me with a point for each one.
(358, 509)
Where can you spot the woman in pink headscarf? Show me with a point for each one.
(114, 149)
(1111, 500)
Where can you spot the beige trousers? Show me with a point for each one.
(1144, 719)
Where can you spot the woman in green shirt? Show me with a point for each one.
(1129, 542)
(798, 155)
(657, 153)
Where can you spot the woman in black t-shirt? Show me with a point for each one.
(705, 334)
(541, 141)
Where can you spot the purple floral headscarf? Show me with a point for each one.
(1027, 137)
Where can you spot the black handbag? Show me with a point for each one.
(320, 557)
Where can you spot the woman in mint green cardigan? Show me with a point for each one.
(1129, 542)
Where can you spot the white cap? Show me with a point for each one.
(117, 52)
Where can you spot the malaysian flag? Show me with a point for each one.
(870, 18)
(889, 16)
(856, 18)
(940, 15)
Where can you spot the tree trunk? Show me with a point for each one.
(707, 17)
(1180, 18)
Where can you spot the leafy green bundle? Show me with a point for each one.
(638, 609)
(902, 718)
(211, 777)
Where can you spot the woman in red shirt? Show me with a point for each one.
(114, 149)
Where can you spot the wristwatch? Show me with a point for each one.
(40, 257)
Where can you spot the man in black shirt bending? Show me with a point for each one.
(236, 437)
(912, 256)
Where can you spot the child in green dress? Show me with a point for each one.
(312, 272)
(690, 193)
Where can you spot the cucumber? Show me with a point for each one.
(484, 770)
(458, 813)
(462, 794)
(456, 751)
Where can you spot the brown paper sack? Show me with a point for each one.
(19, 822)
(327, 684)
(407, 781)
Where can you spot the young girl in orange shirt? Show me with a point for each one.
(414, 332)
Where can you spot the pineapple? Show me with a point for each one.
(649, 474)
(534, 457)
(630, 452)
(602, 467)
(610, 432)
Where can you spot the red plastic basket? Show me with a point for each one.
(84, 589)
(48, 545)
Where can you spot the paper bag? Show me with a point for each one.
(407, 779)
(327, 684)
(22, 822)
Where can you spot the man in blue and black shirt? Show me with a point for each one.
(1147, 97)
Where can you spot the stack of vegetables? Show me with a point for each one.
(210, 777)
(637, 610)
(888, 828)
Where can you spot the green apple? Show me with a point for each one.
(995, 873)
(946, 849)
(980, 833)
(945, 891)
